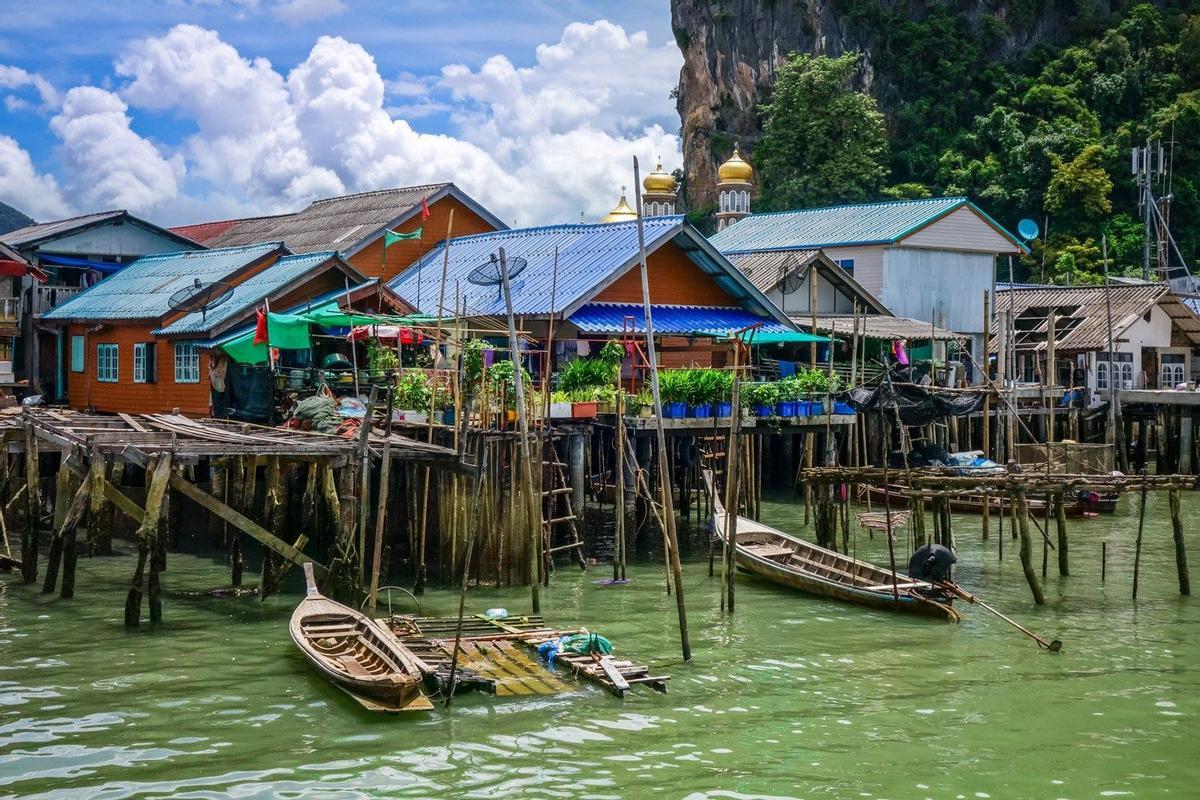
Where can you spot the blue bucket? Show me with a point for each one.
(701, 411)
(764, 411)
(842, 408)
(725, 409)
(787, 408)
(675, 410)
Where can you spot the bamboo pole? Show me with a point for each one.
(1060, 521)
(385, 472)
(364, 485)
(619, 487)
(664, 470)
(1181, 567)
(1137, 548)
(731, 487)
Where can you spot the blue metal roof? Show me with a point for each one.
(249, 293)
(311, 304)
(141, 290)
(840, 226)
(588, 255)
(609, 318)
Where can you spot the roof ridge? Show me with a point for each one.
(211, 251)
(438, 185)
(233, 220)
(113, 211)
(876, 204)
(562, 226)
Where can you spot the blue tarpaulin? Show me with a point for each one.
(67, 261)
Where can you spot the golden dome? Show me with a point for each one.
(735, 170)
(659, 181)
(622, 213)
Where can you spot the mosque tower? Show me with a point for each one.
(733, 190)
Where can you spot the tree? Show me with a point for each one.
(823, 142)
(1079, 189)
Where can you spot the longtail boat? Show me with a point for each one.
(789, 561)
(969, 504)
(356, 654)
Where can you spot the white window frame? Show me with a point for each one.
(1102, 375)
(108, 363)
(187, 362)
(139, 362)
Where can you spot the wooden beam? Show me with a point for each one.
(115, 496)
(131, 422)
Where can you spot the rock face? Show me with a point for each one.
(732, 48)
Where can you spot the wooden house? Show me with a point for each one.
(930, 260)
(353, 226)
(1155, 335)
(71, 255)
(585, 281)
(126, 347)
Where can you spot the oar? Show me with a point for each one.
(1053, 646)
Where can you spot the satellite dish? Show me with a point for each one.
(1027, 229)
(488, 273)
(200, 297)
(791, 278)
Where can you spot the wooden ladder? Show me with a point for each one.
(556, 507)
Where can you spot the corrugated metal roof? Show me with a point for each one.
(766, 269)
(609, 318)
(250, 293)
(867, 223)
(877, 326)
(1082, 314)
(343, 224)
(587, 256)
(142, 289)
(42, 230)
(204, 231)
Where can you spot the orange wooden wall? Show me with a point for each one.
(403, 254)
(125, 395)
(674, 280)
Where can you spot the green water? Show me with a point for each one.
(790, 698)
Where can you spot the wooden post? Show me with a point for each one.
(1060, 521)
(619, 488)
(63, 490)
(1137, 548)
(1181, 567)
(157, 479)
(1022, 508)
(732, 507)
(364, 493)
(33, 506)
(1103, 560)
(385, 471)
(664, 469)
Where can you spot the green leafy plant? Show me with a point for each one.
(560, 397)
(472, 360)
(380, 357)
(706, 386)
(673, 385)
(759, 394)
(412, 391)
(501, 374)
(602, 370)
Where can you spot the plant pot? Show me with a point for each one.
(786, 408)
(645, 412)
(816, 408)
(560, 411)
(606, 407)
(674, 410)
(583, 410)
(510, 414)
(447, 416)
(413, 417)
(724, 409)
(764, 411)
(842, 408)
(701, 411)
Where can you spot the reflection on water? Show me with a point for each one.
(791, 697)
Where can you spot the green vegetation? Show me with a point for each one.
(1045, 135)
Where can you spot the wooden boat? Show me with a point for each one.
(789, 561)
(962, 505)
(356, 654)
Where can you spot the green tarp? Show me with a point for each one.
(787, 337)
(285, 331)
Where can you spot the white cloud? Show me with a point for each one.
(22, 187)
(535, 144)
(300, 11)
(17, 78)
(109, 165)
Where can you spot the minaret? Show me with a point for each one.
(733, 190)
(622, 213)
(659, 198)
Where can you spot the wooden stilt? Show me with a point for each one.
(1181, 566)
(1021, 506)
(157, 479)
(1137, 548)
(63, 491)
(1060, 521)
(33, 508)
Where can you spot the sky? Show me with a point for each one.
(185, 111)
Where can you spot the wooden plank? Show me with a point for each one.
(242, 522)
(614, 675)
(131, 422)
(115, 496)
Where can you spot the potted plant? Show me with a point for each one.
(381, 361)
(705, 391)
(583, 404)
(673, 387)
(412, 397)
(560, 405)
(645, 404)
(761, 397)
(724, 390)
(790, 393)
(606, 399)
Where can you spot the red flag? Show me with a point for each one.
(260, 329)
(424, 208)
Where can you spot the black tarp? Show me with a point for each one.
(918, 405)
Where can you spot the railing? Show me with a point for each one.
(10, 310)
(48, 297)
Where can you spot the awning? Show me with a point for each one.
(616, 318)
(19, 269)
(389, 332)
(786, 337)
(81, 263)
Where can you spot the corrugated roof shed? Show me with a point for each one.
(250, 292)
(877, 326)
(840, 226)
(766, 269)
(141, 290)
(45, 230)
(609, 318)
(1082, 315)
(205, 231)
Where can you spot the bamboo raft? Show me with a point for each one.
(356, 654)
(499, 656)
(789, 561)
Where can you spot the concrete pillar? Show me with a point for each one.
(1185, 441)
(578, 465)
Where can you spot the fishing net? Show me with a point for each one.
(917, 405)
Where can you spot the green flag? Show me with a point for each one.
(391, 237)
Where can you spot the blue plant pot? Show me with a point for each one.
(702, 411)
(786, 408)
(675, 410)
(815, 408)
(764, 411)
(842, 408)
(448, 416)
(725, 409)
